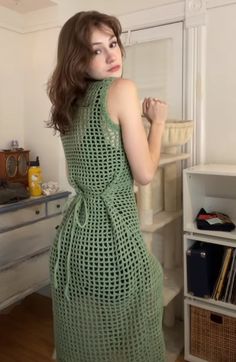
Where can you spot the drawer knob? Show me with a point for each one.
(37, 212)
(58, 206)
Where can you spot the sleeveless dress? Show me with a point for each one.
(106, 286)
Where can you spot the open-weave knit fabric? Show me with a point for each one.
(106, 286)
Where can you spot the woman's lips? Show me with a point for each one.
(114, 69)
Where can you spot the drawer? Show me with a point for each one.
(22, 216)
(27, 240)
(25, 276)
(56, 206)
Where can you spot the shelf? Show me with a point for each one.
(161, 219)
(209, 239)
(173, 283)
(212, 187)
(174, 339)
(211, 301)
(213, 169)
(219, 234)
(170, 158)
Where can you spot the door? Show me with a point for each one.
(154, 60)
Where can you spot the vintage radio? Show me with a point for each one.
(14, 165)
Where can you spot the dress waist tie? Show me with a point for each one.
(74, 209)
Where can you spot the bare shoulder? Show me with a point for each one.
(122, 88)
(122, 98)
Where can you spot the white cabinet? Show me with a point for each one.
(27, 229)
(210, 324)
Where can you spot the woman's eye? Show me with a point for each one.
(97, 51)
(113, 44)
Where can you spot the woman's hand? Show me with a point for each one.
(155, 110)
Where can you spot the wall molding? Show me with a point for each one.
(195, 13)
(156, 16)
(218, 3)
(34, 21)
(195, 88)
(8, 27)
(30, 29)
(192, 12)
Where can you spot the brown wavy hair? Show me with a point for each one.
(69, 80)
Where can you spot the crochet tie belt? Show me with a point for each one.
(74, 212)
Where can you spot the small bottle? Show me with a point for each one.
(35, 178)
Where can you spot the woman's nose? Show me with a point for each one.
(110, 57)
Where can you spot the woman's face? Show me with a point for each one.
(107, 59)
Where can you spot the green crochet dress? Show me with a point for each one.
(106, 286)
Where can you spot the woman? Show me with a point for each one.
(106, 286)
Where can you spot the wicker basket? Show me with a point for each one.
(177, 133)
(212, 335)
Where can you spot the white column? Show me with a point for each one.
(194, 82)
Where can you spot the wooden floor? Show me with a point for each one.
(26, 331)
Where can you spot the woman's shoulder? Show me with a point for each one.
(122, 96)
(117, 84)
(123, 88)
(123, 83)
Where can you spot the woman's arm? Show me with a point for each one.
(124, 107)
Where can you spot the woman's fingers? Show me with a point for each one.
(145, 105)
(154, 109)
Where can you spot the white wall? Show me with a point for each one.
(11, 89)
(40, 54)
(220, 125)
(67, 8)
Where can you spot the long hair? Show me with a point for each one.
(69, 80)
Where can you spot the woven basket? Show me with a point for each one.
(177, 133)
(212, 335)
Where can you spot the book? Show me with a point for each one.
(233, 296)
(230, 274)
(223, 273)
(217, 279)
(232, 283)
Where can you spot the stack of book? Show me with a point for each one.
(225, 286)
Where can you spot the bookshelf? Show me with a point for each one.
(189, 241)
(211, 187)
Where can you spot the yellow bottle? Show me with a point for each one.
(35, 178)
